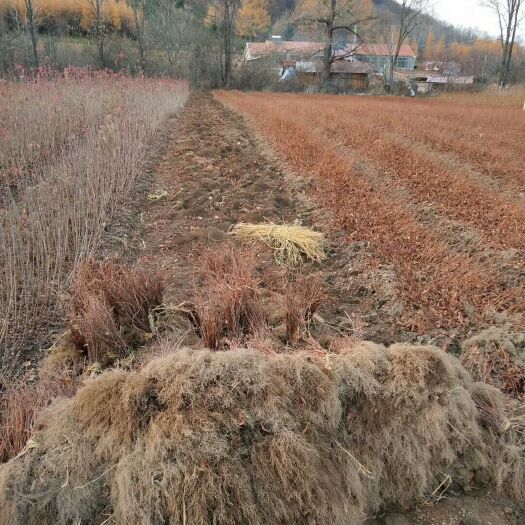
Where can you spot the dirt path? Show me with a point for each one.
(214, 177)
(216, 173)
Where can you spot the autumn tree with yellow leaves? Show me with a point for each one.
(253, 19)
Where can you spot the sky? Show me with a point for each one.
(469, 13)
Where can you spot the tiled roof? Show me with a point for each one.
(382, 50)
(283, 46)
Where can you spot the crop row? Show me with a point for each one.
(501, 221)
(436, 284)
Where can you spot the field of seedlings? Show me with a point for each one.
(246, 308)
(71, 150)
(436, 187)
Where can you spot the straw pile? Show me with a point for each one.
(239, 437)
(289, 242)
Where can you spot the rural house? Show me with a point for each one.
(273, 53)
(378, 55)
(430, 78)
(344, 74)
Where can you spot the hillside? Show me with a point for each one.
(384, 9)
(440, 28)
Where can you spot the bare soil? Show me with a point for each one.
(215, 173)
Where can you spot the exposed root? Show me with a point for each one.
(243, 437)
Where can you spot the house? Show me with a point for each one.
(275, 51)
(291, 59)
(378, 55)
(428, 80)
(344, 75)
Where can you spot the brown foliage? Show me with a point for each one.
(229, 305)
(440, 287)
(302, 297)
(243, 437)
(112, 306)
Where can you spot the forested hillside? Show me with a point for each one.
(184, 37)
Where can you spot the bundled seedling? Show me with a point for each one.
(21, 402)
(496, 356)
(240, 437)
(302, 297)
(228, 308)
(112, 308)
(290, 242)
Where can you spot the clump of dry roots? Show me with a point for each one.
(497, 357)
(240, 437)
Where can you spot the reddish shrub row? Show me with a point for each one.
(434, 282)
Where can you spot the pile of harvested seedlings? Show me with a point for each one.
(497, 356)
(241, 437)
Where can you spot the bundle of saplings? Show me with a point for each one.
(240, 437)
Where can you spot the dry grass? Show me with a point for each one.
(70, 158)
(513, 97)
(112, 308)
(290, 242)
(244, 438)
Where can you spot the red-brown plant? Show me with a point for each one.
(21, 403)
(302, 297)
(112, 307)
(440, 287)
(229, 304)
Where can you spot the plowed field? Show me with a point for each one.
(435, 188)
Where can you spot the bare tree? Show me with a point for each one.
(224, 13)
(173, 29)
(331, 17)
(510, 14)
(8, 38)
(408, 18)
(139, 18)
(31, 25)
(99, 27)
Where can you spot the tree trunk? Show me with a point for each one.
(227, 42)
(227, 57)
(511, 47)
(99, 32)
(139, 25)
(100, 46)
(327, 54)
(30, 14)
(507, 43)
(391, 66)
